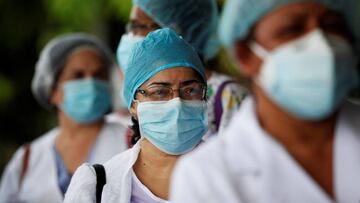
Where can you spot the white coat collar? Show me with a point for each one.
(119, 174)
(107, 143)
(347, 155)
(264, 160)
(42, 171)
(42, 167)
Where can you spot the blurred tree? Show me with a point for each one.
(20, 22)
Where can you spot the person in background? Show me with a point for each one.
(296, 138)
(120, 113)
(196, 21)
(165, 91)
(72, 80)
(119, 107)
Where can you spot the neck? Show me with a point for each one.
(289, 130)
(75, 141)
(73, 130)
(154, 161)
(154, 169)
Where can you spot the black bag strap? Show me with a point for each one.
(100, 180)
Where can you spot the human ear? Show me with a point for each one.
(56, 96)
(249, 62)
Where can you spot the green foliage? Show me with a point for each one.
(19, 19)
(7, 91)
(121, 8)
(75, 14)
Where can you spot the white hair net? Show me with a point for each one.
(54, 56)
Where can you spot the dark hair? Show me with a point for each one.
(136, 131)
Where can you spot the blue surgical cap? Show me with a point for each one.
(195, 20)
(239, 16)
(160, 50)
(54, 56)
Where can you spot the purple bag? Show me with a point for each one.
(218, 109)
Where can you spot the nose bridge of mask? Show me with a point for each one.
(157, 107)
(316, 39)
(314, 42)
(163, 114)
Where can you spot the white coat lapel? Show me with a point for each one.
(118, 189)
(347, 155)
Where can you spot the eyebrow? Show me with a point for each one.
(183, 83)
(159, 84)
(187, 82)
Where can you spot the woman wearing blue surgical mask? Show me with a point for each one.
(196, 21)
(297, 138)
(72, 79)
(165, 90)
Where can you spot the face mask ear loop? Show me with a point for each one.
(262, 53)
(258, 50)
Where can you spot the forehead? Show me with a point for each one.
(83, 61)
(84, 57)
(174, 76)
(304, 9)
(293, 20)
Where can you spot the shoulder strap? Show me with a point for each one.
(100, 180)
(25, 163)
(218, 108)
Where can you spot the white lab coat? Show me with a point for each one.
(247, 165)
(118, 180)
(40, 183)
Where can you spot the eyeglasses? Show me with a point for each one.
(193, 91)
(137, 27)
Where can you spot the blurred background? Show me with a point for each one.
(25, 27)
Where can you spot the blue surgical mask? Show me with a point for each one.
(123, 51)
(175, 126)
(309, 77)
(86, 100)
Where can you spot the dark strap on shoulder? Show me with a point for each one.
(100, 180)
(25, 163)
(218, 108)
